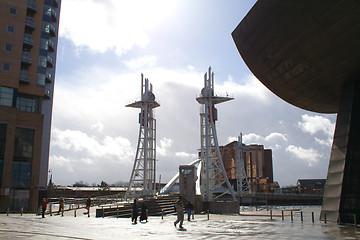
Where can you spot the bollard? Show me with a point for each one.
(282, 215)
(22, 210)
(75, 213)
(162, 214)
(7, 212)
(208, 216)
(292, 218)
(102, 211)
(301, 216)
(312, 217)
(325, 217)
(50, 209)
(271, 214)
(117, 211)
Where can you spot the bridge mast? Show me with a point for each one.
(142, 180)
(214, 181)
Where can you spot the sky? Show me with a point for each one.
(103, 48)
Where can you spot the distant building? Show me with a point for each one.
(311, 185)
(257, 161)
(28, 45)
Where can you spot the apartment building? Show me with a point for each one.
(257, 162)
(28, 44)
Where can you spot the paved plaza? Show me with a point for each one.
(251, 224)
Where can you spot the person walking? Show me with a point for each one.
(144, 212)
(134, 212)
(61, 206)
(179, 207)
(43, 207)
(189, 208)
(88, 205)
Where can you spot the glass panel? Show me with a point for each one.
(44, 44)
(27, 104)
(40, 79)
(23, 151)
(6, 96)
(46, 27)
(42, 61)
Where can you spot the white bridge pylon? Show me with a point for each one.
(214, 181)
(142, 180)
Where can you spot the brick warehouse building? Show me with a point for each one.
(257, 161)
(28, 45)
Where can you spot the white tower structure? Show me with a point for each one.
(142, 180)
(214, 181)
(243, 186)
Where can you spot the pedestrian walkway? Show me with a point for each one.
(250, 225)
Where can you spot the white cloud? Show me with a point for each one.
(315, 124)
(76, 141)
(112, 25)
(318, 125)
(276, 136)
(163, 146)
(310, 156)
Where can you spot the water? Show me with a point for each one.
(251, 224)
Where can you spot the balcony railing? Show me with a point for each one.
(26, 58)
(32, 6)
(24, 76)
(51, 45)
(30, 23)
(48, 77)
(52, 30)
(28, 40)
(49, 61)
(53, 15)
(47, 94)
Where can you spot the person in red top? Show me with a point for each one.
(43, 207)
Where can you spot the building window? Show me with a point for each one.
(6, 96)
(27, 103)
(46, 27)
(40, 79)
(8, 47)
(44, 44)
(23, 155)
(10, 29)
(6, 67)
(42, 61)
(12, 11)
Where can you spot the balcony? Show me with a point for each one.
(47, 94)
(24, 77)
(55, 3)
(32, 7)
(29, 23)
(52, 30)
(48, 78)
(28, 40)
(26, 58)
(53, 15)
(51, 46)
(49, 61)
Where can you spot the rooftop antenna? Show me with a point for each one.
(142, 181)
(214, 180)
